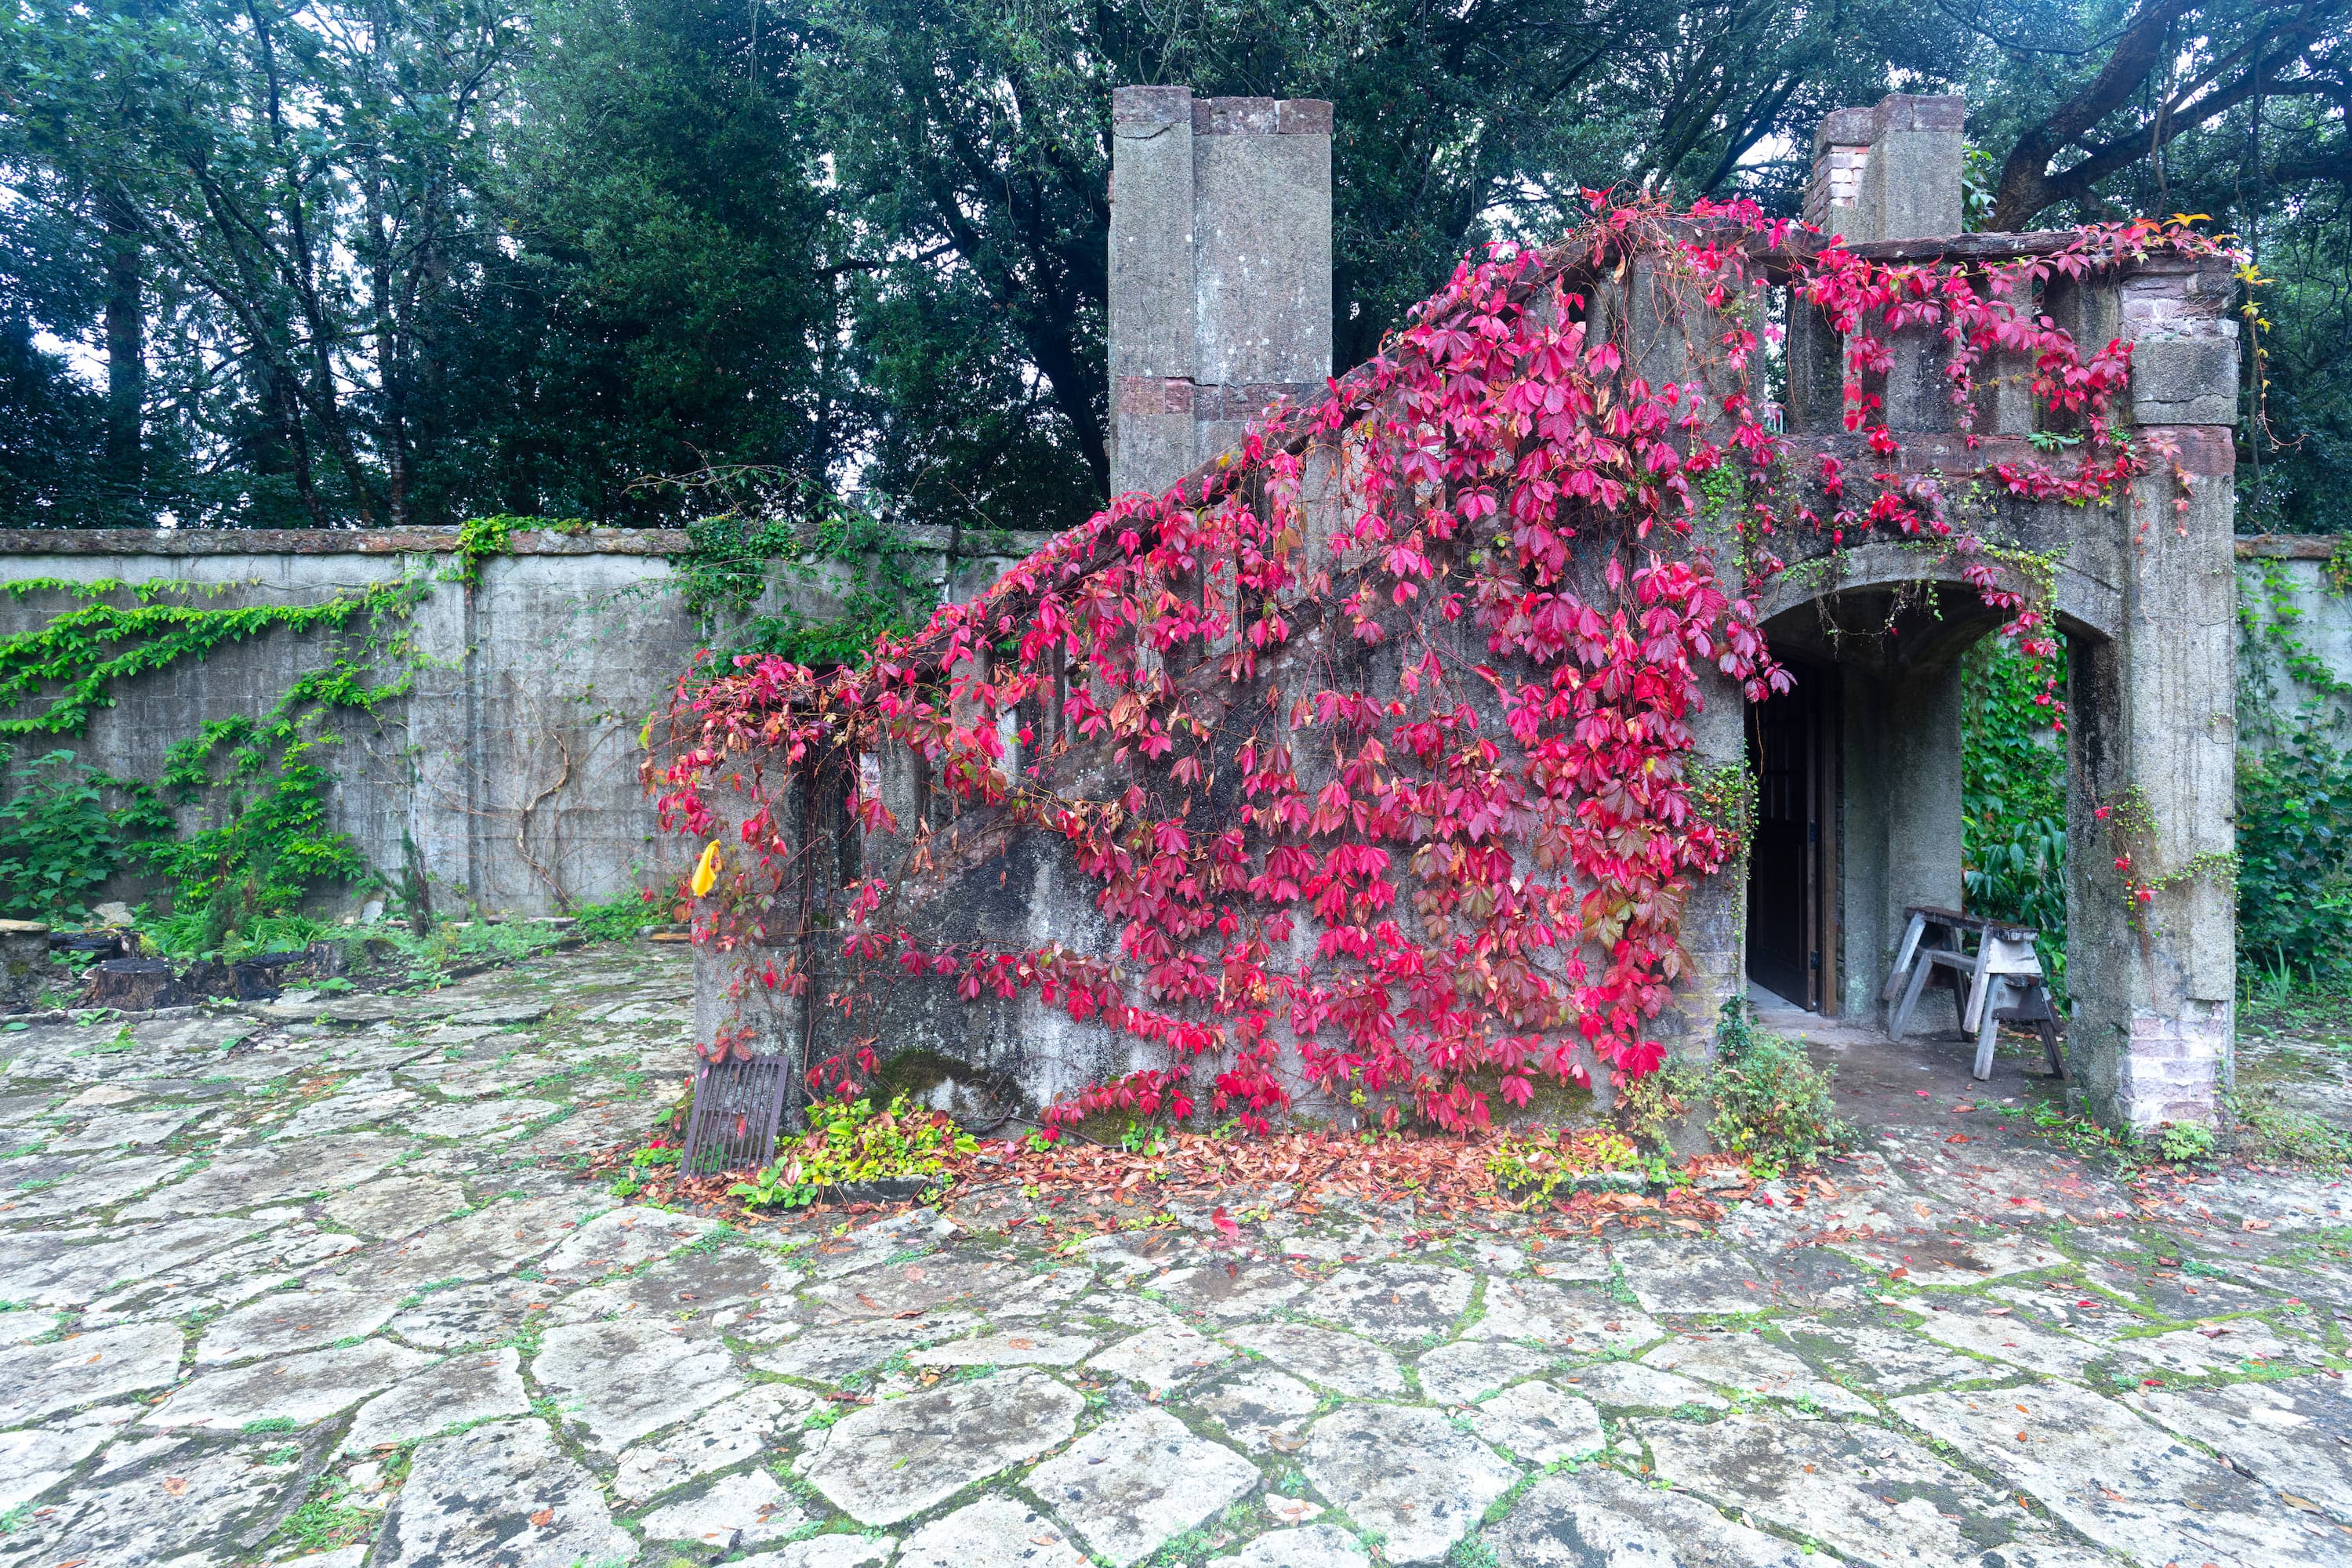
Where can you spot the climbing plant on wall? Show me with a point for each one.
(2295, 786)
(1408, 795)
(262, 842)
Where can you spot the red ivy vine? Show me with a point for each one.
(1487, 856)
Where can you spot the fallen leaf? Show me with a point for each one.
(176, 1486)
(543, 1518)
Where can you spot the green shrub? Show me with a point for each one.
(847, 1141)
(59, 841)
(1772, 1105)
(2182, 1142)
(1763, 1098)
(2295, 859)
(614, 919)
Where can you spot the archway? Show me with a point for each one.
(1860, 780)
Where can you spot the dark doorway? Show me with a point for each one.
(1791, 931)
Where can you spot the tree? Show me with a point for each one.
(305, 169)
(672, 296)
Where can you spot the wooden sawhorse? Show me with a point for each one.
(1999, 983)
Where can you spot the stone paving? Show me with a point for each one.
(322, 1280)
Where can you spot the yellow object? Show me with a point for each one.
(706, 871)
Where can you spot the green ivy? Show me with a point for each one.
(848, 1142)
(64, 671)
(765, 524)
(272, 844)
(481, 538)
(2269, 623)
(2014, 796)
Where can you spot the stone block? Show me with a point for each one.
(2184, 380)
(1262, 249)
(1891, 171)
(25, 964)
(1912, 188)
(1220, 270)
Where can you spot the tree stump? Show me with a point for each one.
(25, 964)
(134, 984)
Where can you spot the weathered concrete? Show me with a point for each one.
(510, 760)
(1220, 271)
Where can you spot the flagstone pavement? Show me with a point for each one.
(322, 1280)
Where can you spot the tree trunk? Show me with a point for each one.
(134, 983)
(126, 360)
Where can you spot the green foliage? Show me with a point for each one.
(2294, 859)
(326, 1520)
(59, 840)
(1763, 1098)
(481, 538)
(439, 257)
(2013, 797)
(847, 1142)
(1529, 1170)
(2182, 1141)
(2269, 1130)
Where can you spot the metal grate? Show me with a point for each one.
(736, 1107)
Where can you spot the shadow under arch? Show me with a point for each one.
(1858, 769)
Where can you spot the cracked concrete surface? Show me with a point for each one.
(277, 1289)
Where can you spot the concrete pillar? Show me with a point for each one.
(2154, 726)
(1220, 271)
(1890, 172)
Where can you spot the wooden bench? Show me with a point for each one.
(2002, 981)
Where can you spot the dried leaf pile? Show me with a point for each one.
(1095, 1186)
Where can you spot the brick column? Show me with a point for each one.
(1220, 271)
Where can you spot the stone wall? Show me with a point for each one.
(2316, 619)
(511, 763)
(2144, 586)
